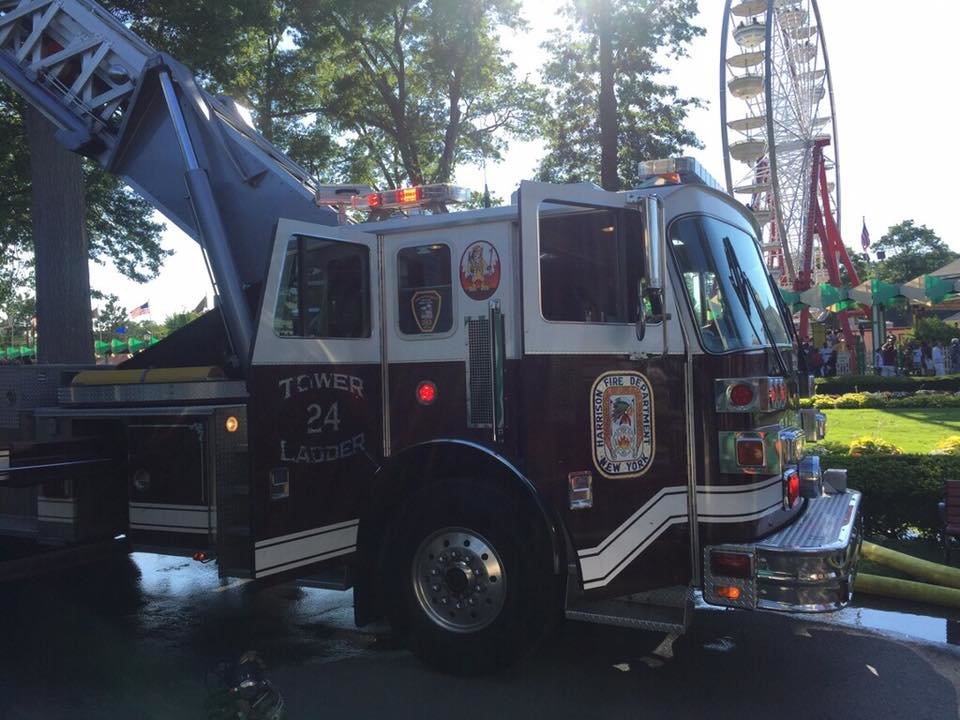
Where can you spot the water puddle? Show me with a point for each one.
(925, 622)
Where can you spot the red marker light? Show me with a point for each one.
(730, 564)
(426, 393)
(741, 395)
(793, 490)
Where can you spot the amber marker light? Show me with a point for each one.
(232, 424)
(426, 393)
(730, 592)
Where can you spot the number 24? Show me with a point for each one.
(317, 421)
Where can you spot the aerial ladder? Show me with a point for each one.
(119, 102)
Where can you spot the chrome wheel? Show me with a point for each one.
(459, 581)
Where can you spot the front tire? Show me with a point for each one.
(469, 578)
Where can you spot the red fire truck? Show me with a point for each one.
(580, 404)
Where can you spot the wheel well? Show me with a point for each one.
(431, 463)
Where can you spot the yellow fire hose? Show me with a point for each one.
(914, 567)
(907, 590)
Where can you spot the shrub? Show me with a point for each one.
(948, 446)
(851, 400)
(874, 383)
(919, 399)
(867, 445)
(900, 492)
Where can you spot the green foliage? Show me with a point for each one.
(933, 329)
(867, 445)
(120, 224)
(178, 320)
(948, 446)
(113, 315)
(911, 251)
(886, 400)
(877, 383)
(648, 114)
(900, 492)
(416, 88)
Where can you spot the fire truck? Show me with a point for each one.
(582, 404)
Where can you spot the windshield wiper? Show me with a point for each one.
(748, 289)
(740, 284)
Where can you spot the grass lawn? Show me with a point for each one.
(912, 430)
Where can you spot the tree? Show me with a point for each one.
(248, 53)
(609, 112)
(861, 263)
(417, 86)
(911, 251)
(178, 320)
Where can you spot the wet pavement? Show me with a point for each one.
(140, 637)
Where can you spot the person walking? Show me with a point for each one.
(936, 356)
(954, 355)
(889, 355)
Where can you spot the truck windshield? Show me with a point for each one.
(727, 285)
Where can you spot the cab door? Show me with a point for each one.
(603, 408)
(315, 420)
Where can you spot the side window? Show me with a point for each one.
(324, 290)
(590, 266)
(424, 290)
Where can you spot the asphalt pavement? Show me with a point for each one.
(142, 637)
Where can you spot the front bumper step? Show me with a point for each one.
(808, 566)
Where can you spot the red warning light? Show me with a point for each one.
(426, 393)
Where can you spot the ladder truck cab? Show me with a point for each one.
(584, 403)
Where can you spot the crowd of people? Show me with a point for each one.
(918, 357)
(831, 358)
(893, 357)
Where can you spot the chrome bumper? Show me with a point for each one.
(808, 566)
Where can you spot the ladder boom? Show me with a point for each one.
(99, 83)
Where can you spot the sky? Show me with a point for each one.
(892, 67)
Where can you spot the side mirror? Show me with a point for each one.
(653, 247)
(651, 283)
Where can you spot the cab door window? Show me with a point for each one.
(424, 290)
(324, 290)
(590, 266)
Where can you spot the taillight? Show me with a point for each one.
(750, 452)
(741, 395)
(792, 481)
(731, 565)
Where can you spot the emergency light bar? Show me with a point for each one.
(675, 171)
(398, 199)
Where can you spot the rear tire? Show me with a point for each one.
(468, 577)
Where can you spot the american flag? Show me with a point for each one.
(865, 236)
(140, 311)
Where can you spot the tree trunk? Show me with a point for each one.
(64, 332)
(609, 177)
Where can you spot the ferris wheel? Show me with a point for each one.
(780, 134)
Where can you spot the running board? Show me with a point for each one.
(660, 611)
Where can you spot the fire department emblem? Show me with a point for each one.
(480, 270)
(426, 309)
(621, 405)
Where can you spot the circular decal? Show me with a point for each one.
(621, 405)
(480, 270)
